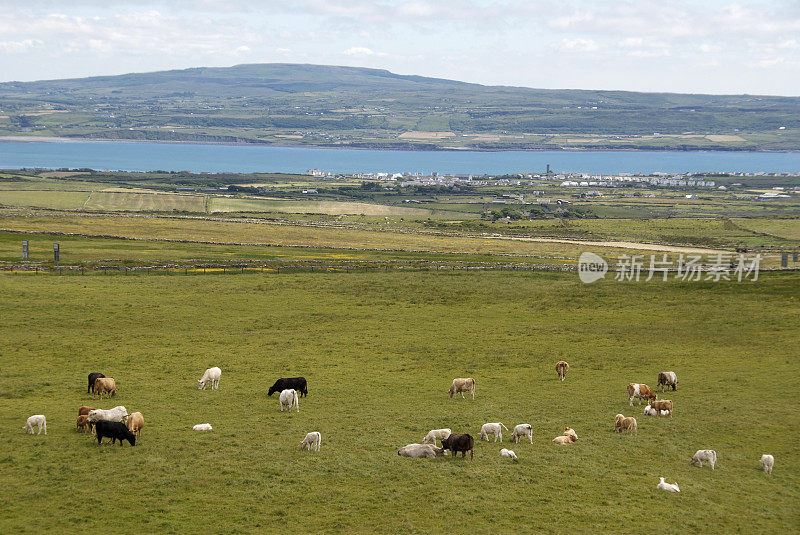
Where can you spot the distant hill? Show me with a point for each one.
(322, 105)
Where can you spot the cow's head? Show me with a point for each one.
(438, 452)
(271, 390)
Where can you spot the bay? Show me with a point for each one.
(145, 156)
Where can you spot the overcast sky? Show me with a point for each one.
(703, 46)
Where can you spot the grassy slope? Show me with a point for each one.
(377, 378)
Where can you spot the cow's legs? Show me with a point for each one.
(531, 438)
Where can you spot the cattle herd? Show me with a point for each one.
(117, 424)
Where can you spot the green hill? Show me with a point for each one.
(321, 105)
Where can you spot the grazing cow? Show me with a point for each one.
(618, 423)
(84, 410)
(297, 383)
(421, 451)
(81, 423)
(562, 368)
(494, 429)
(211, 376)
(629, 424)
(104, 385)
(288, 398)
(641, 391)
(37, 420)
(508, 453)
(662, 405)
(669, 487)
(462, 385)
(767, 462)
(436, 434)
(202, 427)
(461, 442)
(135, 423)
(117, 414)
(313, 441)
(92, 377)
(709, 456)
(667, 379)
(115, 431)
(522, 430)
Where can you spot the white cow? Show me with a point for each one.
(522, 430)
(37, 420)
(494, 429)
(508, 453)
(669, 487)
(436, 434)
(312, 441)
(420, 451)
(211, 376)
(288, 398)
(202, 427)
(117, 414)
(650, 411)
(709, 456)
(767, 462)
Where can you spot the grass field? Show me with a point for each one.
(379, 351)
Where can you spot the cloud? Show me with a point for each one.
(361, 52)
(578, 45)
(15, 47)
(242, 49)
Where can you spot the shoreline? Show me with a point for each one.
(55, 139)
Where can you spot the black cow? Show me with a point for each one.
(115, 431)
(92, 377)
(297, 383)
(463, 443)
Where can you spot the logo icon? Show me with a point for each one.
(591, 267)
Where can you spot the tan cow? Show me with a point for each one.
(462, 385)
(618, 422)
(629, 425)
(641, 391)
(104, 385)
(562, 368)
(662, 405)
(135, 423)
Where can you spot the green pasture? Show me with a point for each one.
(379, 351)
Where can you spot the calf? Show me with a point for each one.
(710, 456)
(115, 431)
(135, 423)
(81, 423)
(618, 423)
(421, 451)
(667, 379)
(669, 487)
(508, 454)
(562, 368)
(767, 462)
(210, 377)
(641, 391)
(436, 434)
(103, 385)
(37, 420)
(662, 405)
(313, 441)
(650, 411)
(92, 377)
(296, 383)
(461, 442)
(494, 429)
(202, 427)
(564, 440)
(522, 430)
(462, 385)
(288, 399)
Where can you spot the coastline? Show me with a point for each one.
(55, 139)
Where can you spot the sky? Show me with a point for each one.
(702, 46)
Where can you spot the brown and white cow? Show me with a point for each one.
(562, 368)
(641, 391)
(462, 385)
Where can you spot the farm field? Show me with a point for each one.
(377, 381)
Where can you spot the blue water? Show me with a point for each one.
(245, 158)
